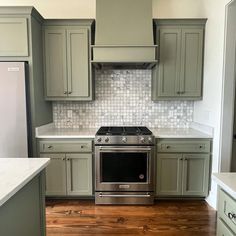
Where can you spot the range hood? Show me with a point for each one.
(124, 35)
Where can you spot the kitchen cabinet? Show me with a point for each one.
(14, 36)
(183, 167)
(226, 223)
(68, 71)
(178, 75)
(70, 170)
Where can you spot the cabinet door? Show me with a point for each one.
(79, 174)
(169, 174)
(14, 37)
(55, 62)
(222, 229)
(195, 174)
(55, 175)
(78, 63)
(191, 63)
(169, 66)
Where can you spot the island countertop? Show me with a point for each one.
(15, 173)
(226, 181)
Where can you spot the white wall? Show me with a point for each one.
(208, 111)
(86, 8)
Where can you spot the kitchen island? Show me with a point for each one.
(22, 197)
(226, 222)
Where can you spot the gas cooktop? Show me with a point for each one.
(124, 130)
(128, 135)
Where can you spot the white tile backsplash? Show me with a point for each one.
(123, 97)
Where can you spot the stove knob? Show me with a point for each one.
(124, 140)
(106, 140)
(150, 140)
(142, 139)
(99, 140)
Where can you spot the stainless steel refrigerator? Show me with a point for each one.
(13, 110)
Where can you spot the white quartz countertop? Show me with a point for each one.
(226, 181)
(179, 133)
(16, 173)
(49, 131)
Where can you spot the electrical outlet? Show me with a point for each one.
(69, 113)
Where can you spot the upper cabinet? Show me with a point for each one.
(178, 75)
(68, 71)
(14, 36)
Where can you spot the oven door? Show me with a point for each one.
(124, 168)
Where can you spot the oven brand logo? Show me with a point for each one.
(124, 186)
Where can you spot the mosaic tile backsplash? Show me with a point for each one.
(123, 97)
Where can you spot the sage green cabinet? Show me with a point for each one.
(70, 170)
(183, 167)
(14, 36)
(56, 174)
(68, 71)
(226, 222)
(79, 174)
(179, 74)
(223, 230)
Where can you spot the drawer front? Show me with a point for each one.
(227, 210)
(165, 145)
(62, 146)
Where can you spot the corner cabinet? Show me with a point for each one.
(179, 73)
(183, 167)
(67, 54)
(70, 170)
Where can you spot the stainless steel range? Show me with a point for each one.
(124, 165)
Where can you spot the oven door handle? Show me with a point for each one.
(124, 195)
(125, 149)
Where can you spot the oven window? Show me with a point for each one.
(124, 167)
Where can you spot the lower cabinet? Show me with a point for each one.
(226, 222)
(69, 173)
(182, 174)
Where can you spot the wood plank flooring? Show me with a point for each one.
(165, 218)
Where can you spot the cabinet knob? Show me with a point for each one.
(231, 215)
(49, 147)
(68, 159)
(69, 92)
(168, 147)
(181, 159)
(65, 92)
(64, 159)
(200, 146)
(182, 92)
(178, 92)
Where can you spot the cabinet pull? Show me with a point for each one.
(70, 93)
(178, 92)
(49, 147)
(65, 92)
(182, 92)
(168, 147)
(231, 216)
(200, 146)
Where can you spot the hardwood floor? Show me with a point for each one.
(165, 218)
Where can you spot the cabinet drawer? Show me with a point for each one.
(222, 229)
(227, 210)
(164, 145)
(62, 146)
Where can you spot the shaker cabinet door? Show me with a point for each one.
(78, 63)
(169, 66)
(14, 37)
(195, 174)
(55, 62)
(79, 174)
(55, 175)
(191, 63)
(169, 174)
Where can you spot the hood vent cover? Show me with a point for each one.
(124, 34)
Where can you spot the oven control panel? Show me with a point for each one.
(128, 140)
